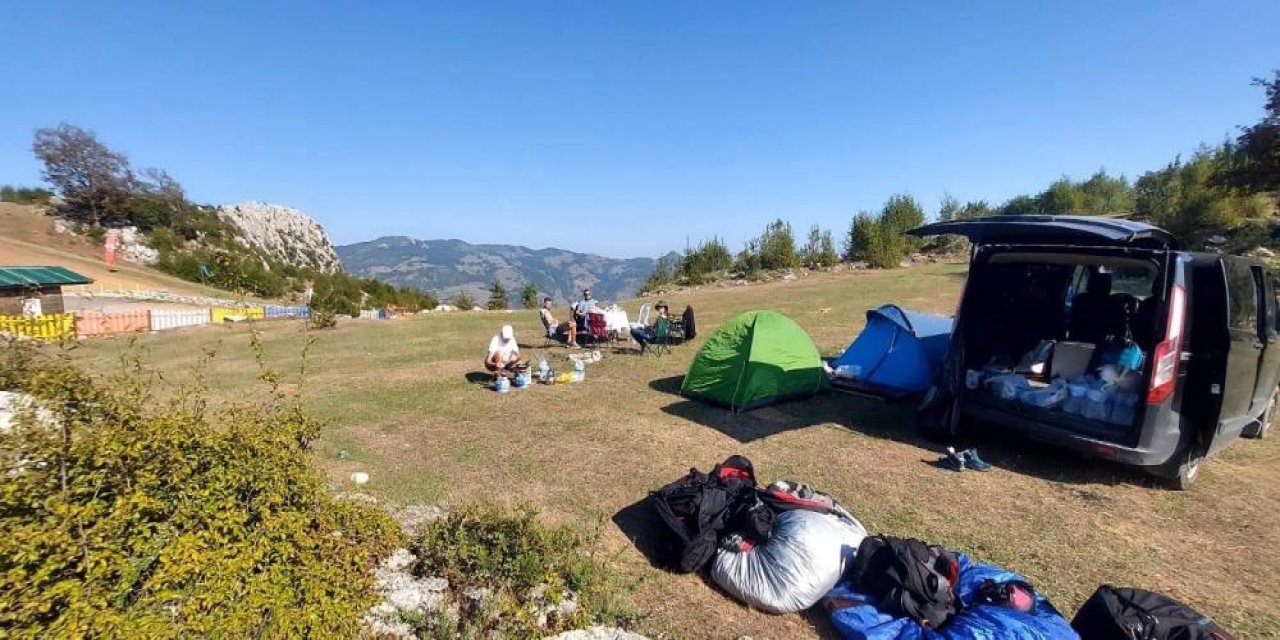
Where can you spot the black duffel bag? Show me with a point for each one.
(1121, 613)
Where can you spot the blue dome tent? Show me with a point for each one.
(898, 353)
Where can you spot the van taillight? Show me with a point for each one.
(1164, 361)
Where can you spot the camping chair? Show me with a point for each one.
(643, 317)
(597, 328)
(662, 335)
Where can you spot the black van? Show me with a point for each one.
(1100, 335)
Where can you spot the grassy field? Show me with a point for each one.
(401, 405)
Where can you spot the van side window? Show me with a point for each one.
(1242, 291)
(1274, 305)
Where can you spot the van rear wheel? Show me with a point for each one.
(1188, 470)
(1260, 428)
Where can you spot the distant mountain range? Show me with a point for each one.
(447, 267)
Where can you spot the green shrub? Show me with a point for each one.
(323, 318)
(512, 555)
(128, 516)
(25, 195)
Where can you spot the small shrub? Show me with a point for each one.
(323, 319)
(25, 195)
(510, 553)
(464, 301)
(129, 516)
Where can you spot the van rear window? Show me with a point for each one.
(1242, 295)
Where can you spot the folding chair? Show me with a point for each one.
(662, 335)
(643, 317)
(597, 328)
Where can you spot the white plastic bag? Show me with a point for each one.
(801, 562)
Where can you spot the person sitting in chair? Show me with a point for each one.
(583, 307)
(504, 353)
(565, 332)
(644, 335)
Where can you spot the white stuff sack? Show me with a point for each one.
(801, 562)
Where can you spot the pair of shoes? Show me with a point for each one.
(961, 460)
(953, 461)
(972, 461)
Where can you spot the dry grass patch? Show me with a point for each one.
(400, 404)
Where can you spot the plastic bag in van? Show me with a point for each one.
(1008, 386)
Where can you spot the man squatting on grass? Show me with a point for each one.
(504, 353)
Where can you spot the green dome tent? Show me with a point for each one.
(756, 359)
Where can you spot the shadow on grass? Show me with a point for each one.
(640, 523)
(896, 421)
(480, 377)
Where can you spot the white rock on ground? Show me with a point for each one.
(599, 633)
(283, 233)
(412, 517)
(402, 594)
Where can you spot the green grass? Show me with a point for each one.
(397, 398)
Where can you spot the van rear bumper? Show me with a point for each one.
(1155, 449)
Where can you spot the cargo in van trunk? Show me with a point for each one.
(1088, 315)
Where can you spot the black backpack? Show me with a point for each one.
(908, 578)
(1120, 613)
(687, 319)
(700, 508)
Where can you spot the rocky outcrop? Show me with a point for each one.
(283, 234)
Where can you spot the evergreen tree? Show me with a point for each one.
(529, 296)
(497, 295)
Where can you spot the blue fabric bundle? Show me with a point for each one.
(862, 621)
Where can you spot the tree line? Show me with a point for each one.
(1223, 196)
(98, 188)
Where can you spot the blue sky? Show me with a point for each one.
(625, 128)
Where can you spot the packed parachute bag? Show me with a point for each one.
(700, 508)
(812, 542)
(907, 590)
(1119, 613)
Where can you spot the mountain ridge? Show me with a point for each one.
(450, 266)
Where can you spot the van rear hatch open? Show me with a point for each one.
(1054, 230)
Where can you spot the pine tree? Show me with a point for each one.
(529, 296)
(497, 296)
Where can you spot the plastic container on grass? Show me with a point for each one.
(502, 384)
(579, 371)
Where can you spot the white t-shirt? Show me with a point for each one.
(505, 348)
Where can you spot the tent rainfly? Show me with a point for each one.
(898, 353)
(758, 358)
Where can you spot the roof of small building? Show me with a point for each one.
(39, 277)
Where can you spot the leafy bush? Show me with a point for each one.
(700, 265)
(129, 516)
(323, 319)
(777, 247)
(820, 249)
(25, 195)
(520, 562)
(464, 301)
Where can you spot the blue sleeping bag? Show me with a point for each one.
(857, 619)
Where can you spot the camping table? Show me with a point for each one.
(615, 320)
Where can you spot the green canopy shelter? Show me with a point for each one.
(757, 359)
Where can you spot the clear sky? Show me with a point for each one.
(625, 128)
